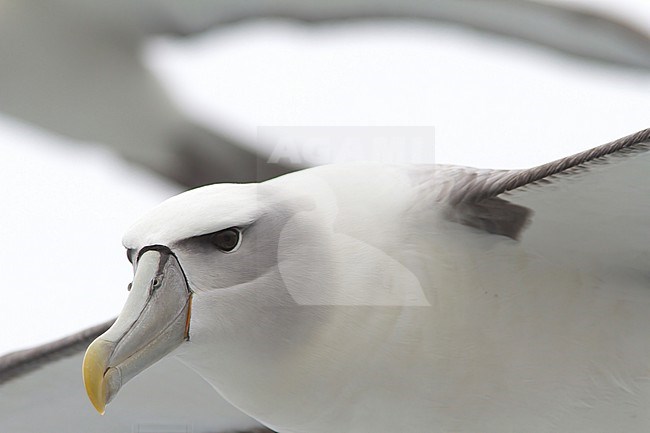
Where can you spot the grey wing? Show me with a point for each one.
(592, 208)
(41, 389)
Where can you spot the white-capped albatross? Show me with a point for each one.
(416, 298)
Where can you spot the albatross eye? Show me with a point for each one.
(226, 240)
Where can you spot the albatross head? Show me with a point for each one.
(191, 243)
(238, 273)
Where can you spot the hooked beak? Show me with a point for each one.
(154, 321)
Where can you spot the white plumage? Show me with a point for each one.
(373, 298)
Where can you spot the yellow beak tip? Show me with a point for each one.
(94, 367)
(99, 407)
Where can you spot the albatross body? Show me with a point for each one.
(376, 298)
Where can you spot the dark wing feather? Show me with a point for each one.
(484, 199)
(589, 211)
(51, 373)
(503, 181)
(15, 364)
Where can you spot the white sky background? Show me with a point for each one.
(64, 209)
(493, 103)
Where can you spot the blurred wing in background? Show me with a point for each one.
(39, 394)
(75, 68)
(574, 28)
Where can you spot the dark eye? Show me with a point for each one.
(226, 240)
